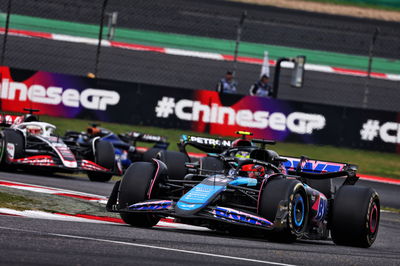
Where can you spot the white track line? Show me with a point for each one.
(173, 225)
(75, 39)
(203, 55)
(49, 216)
(150, 246)
(60, 217)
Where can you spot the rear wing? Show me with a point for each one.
(208, 145)
(9, 120)
(304, 164)
(315, 169)
(135, 136)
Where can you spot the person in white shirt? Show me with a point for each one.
(227, 84)
(261, 88)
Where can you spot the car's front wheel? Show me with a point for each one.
(134, 188)
(288, 194)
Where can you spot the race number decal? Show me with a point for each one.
(10, 150)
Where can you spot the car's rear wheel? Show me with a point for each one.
(150, 154)
(291, 194)
(175, 162)
(355, 216)
(104, 156)
(134, 187)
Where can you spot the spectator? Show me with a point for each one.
(227, 84)
(261, 88)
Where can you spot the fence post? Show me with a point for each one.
(103, 9)
(370, 57)
(238, 36)
(112, 22)
(3, 50)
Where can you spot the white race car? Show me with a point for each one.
(26, 143)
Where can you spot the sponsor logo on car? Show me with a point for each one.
(321, 206)
(10, 150)
(36, 160)
(238, 216)
(91, 166)
(313, 165)
(210, 141)
(153, 205)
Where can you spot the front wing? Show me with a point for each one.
(50, 162)
(212, 213)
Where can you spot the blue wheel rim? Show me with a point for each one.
(298, 216)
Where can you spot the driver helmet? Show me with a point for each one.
(254, 170)
(242, 154)
(34, 130)
(93, 131)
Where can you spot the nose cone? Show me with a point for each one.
(197, 198)
(66, 156)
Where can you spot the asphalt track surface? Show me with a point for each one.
(193, 73)
(218, 19)
(28, 241)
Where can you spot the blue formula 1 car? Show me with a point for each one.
(259, 192)
(125, 145)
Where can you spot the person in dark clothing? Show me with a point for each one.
(261, 88)
(227, 84)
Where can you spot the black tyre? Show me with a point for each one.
(291, 193)
(175, 162)
(209, 164)
(355, 216)
(150, 154)
(322, 185)
(133, 188)
(104, 156)
(10, 136)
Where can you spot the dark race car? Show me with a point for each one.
(256, 191)
(26, 143)
(125, 145)
(176, 160)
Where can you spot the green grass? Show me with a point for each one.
(378, 5)
(390, 209)
(14, 202)
(371, 163)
